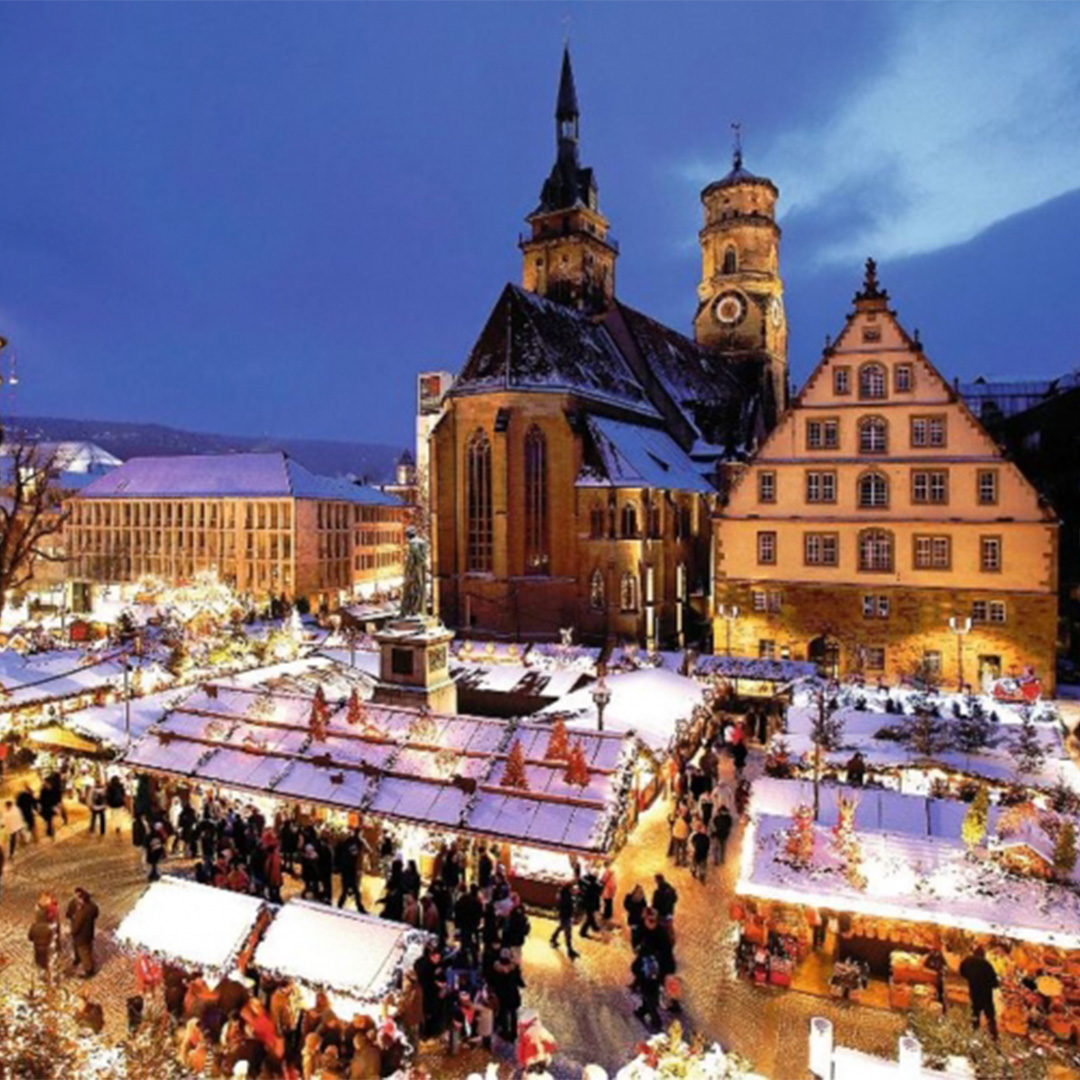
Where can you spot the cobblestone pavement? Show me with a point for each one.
(586, 1004)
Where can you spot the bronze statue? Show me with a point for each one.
(414, 594)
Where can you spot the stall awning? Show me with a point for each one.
(55, 737)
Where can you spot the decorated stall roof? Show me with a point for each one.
(105, 724)
(755, 669)
(913, 878)
(398, 763)
(357, 959)
(34, 678)
(517, 679)
(191, 924)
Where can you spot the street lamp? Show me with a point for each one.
(729, 613)
(960, 625)
(601, 695)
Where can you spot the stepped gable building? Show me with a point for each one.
(578, 454)
(267, 525)
(878, 509)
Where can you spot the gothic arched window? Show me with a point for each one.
(873, 491)
(628, 592)
(536, 502)
(597, 599)
(731, 261)
(873, 435)
(875, 550)
(479, 527)
(873, 382)
(629, 520)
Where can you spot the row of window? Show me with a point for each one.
(928, 487)
(875, 550)
(376, 560)
(128, 568)
(873, 378)
(602, 522)
(878, 606)
(166, 513)
(924, 432)
(629, 590)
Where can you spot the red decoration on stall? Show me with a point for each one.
(799, 846)
(320, 713)
(514, 776)
(558, 747)
(577, 768)
(357, 713)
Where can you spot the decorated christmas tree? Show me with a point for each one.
(558, 747)
(356, 712)
(1028, 749)
(799, 846)
(514, 776)
(577, 768)
(320, 712)
(1065, 851)
(846, 842)
(973, 829)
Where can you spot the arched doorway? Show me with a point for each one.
(824, 651)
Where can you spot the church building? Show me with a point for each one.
(578, 458)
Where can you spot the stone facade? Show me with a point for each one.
(878, 510)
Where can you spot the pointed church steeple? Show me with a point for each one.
(566, 107)
(568, 257)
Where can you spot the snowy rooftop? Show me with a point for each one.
(646, 703)
(59, 673)
(918, 879)
(192, 924)
(446, 769)
(106, 724)
(633, 455)
(238, 475)
(517, 679)
(357, 957)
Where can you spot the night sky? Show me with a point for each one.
(265, 219)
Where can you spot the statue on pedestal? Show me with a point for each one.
(414, 594)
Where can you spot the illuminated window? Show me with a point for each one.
(873, 491)
(766, 548)
(822, 434)
(597, 599)
(930, 486)
(820, 549)
(536, 502)
(820, 487)
(628, 592)
(766, 486)
(873, 435)
(987, 487)
(872, 382)
(841, 380)
(479, 521)
(903, 378)
(990, 554)
(928, 431)
(875, 550)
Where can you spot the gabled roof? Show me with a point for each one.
(530, 343)
(632, 455)
(218, 475)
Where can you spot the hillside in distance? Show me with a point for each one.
(373, 461)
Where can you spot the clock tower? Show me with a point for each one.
(740, 312)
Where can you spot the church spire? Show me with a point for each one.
(566, 107)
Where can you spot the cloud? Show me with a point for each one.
(975, 117)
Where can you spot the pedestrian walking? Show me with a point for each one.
(82, 914)
(28, 804)
(566, 920)
(98, 804)
(349, 857)
(982, 981)
(721, 830)
(680, 834)
(13, 825)
(608, 889)
(43, 938)
(699, 844)
(591, 899)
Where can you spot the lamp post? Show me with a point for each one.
(601, 695)
(729, 613)
(127, 702)
(960, 625)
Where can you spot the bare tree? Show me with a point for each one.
(32, 515)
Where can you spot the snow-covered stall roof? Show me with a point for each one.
(191, 924)
(357, 958)
(394, 763)
(647, 703)
(755, 669)
(105, 724)
(337, 678)
(517, 679)
(59, 673)
(917, 879)
(365, 660)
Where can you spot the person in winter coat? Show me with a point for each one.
(517, 927)
(349, 855)
(273, 873)
(28, 804)
(649, 981)
(82, 914)
(13, 825)
(566, 921)
(43, 937)
(97, 809)
(664, 898)
(982, 981)
(506, 983)
(309, 869)
(699, 846)
(608, 889)
(721, 830)
(634, 904)
(680, 834)
(591, 899)
(155, 850)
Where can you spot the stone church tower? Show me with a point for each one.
(568, 258)
(740, 311)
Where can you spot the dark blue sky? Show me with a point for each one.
(267, 218)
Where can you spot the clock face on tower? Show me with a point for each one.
(730, 308)
(776, 311)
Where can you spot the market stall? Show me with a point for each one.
(887, 917)
(357, 960)
(194, 926)
(539, 796)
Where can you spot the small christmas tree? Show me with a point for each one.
(514, 776)
(320, 712)
(799, 846)
(1065, 851)
(577, 768)
(179, 660)
(973, 829)
(558, 747)
(971, 733)
(927, 733)
(356, 712)
(846, 842)
(1028, 749)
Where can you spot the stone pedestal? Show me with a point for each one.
(414, 670)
